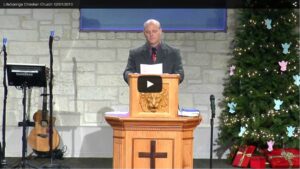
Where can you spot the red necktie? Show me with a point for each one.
(153, 54)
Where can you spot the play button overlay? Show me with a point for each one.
(149, 84)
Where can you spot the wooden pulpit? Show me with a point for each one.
(152, 135)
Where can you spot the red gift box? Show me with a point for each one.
(258, 162)
(242, 157)
(284, 158)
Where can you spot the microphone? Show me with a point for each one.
(4, 42)
(212, 105)
(4, 45)
(51, 39)
(51, 34)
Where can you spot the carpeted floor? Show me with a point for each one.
(93, 163)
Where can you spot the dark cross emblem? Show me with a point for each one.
(152, 155)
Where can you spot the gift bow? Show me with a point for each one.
(243, 156)
(287, 156)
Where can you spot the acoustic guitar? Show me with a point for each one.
(38, 138)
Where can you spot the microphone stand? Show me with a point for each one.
(51, 108)
(212, 106)
(2, 149)
(51, 96)
(51, 165)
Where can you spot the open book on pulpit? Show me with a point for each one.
(163, 103)
(188, 112)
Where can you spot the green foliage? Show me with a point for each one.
(258, 80)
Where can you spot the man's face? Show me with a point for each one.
(152, 33)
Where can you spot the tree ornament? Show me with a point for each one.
(283, 65)
(268, 23)
(232, 106)
(290, 130)
(286, 47)
(278, 103)
(242, 131)
(231, 70)
(270, 145)
(297, 80)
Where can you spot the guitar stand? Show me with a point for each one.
(24, 162)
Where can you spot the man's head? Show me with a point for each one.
(152, 32)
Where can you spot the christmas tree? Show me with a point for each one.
(261, 91)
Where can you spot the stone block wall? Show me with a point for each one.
(88, 69)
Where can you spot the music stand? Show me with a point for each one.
(26, 76)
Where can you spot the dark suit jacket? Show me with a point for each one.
(167, 55)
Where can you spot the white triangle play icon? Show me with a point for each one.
(149, 84)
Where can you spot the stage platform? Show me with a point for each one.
(93, 163)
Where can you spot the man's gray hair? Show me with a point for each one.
(151, 21)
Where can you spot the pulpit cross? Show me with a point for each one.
(153, 154)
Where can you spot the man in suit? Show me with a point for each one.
(154, 51)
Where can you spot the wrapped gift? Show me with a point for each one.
(242, 157)
(258, 162)
(284, 158)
